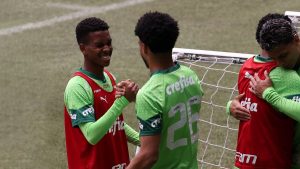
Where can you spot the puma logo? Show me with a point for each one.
(103, 98)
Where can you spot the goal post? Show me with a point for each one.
(295, 17)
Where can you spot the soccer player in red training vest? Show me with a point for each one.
(281, 42)
(94, 126)
(264, 141)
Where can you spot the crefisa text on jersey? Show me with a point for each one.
(179, 85)
(118, 125)
(248, 105)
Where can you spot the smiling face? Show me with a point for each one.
(98, 49)
(287, 55)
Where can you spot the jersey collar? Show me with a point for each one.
(263, 58)
(170, 69)
(92, 75)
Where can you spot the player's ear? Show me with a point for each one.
(143, 47)
(82, 48)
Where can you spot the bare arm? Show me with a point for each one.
(148, 154)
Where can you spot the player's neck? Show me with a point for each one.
(264, 54)
(160, 63)
(98, 71)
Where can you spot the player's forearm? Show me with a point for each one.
(142, 160)
(286, 106)
(132, 135)
(94, 131)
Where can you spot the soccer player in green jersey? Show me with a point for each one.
(168, 105)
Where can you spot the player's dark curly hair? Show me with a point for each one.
(88, 25)
(266, 18)
(276, 32)
(157, 30)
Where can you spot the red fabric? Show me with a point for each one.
(269, 134)
(111, 152)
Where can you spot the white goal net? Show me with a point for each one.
(218, 72)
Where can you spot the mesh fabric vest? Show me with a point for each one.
(111, 152)
(264, 141)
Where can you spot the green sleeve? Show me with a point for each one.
(283, 93)
(132, 135)
(282, 78)
(228, 107)
(287, 106)
(94, 131)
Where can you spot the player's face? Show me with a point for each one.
(287, 55)
(98, 49)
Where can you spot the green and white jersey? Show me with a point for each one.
(169, 104)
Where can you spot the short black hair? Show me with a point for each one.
(88, 25)
(276, 32)
(157, 30)
(266, 18)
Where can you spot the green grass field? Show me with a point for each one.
(38, 60)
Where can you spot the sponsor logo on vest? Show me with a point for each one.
(248, 75)
(117, 126)
(248, 105)
(97, 91)
(87, 111)
(119, 166)
(179, 85)
(245, 158)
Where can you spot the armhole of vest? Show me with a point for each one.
(113, 82)
(272, 68)
(86, 78)
(81, 75)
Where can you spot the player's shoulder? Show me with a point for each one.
(153, 89)
(77, 82)
(152, 86)
(186, 70)
(282, 72)
(110, 73)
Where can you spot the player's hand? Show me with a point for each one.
(237, 110)
(258, 86)
(120, 89)
(127, 89)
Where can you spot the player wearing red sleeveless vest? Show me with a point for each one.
(111, 150)
(94, 127)
(264, 141)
